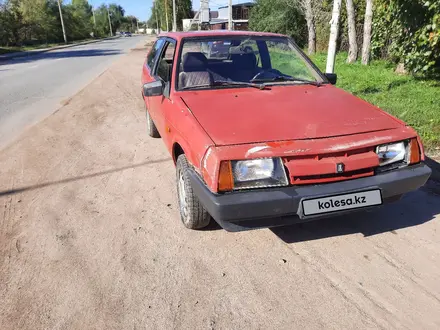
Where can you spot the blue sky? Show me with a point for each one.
(142, 8)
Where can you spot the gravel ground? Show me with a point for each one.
(90, 238)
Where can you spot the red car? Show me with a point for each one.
(262, 138)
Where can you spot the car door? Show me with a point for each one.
(150, 61)
(158, 105)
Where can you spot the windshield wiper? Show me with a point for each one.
(226, 83)
(238, 83)
(284, 78)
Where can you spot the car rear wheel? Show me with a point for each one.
(192, 213)
(151, 127)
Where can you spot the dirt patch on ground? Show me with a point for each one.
(90, 238)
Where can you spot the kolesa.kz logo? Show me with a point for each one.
(342, 202)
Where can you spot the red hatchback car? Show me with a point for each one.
(261, 138)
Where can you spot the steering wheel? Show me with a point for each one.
(269, 73)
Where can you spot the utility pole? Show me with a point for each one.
(94, 22)
(62, 22)
(166, 13)
(137, 24)
(157, 22)
(230, 27)
(110, 23)
(174, 16)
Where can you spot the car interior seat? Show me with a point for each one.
(245, 66)
(195, 70)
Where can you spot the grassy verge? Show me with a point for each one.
(414, 100)
(6, 50)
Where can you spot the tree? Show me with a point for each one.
(28, 22)
(351, 22)
(129, 23)
(116, 16)
(11, 22)
(42, 18)
(367, 32)
(281, 17)
(102, 27)
(310, 26)
(183, 10)
(333, 36)
(408, 32)
(78, 18)
(159, 12)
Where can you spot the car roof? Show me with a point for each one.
(214, 33)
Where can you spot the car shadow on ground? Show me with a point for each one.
(61, 54)
(412, 210)
(79, 177)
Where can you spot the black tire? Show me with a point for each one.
(192, 213)
(151, 127)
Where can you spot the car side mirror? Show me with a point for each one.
(154, 88)
(332, 78)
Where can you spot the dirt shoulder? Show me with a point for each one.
(90, 238)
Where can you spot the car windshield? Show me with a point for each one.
(209, 63)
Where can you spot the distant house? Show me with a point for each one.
(240, 17)
(218, 20)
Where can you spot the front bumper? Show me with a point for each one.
(241, 210)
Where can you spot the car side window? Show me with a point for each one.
(155, 50)
(164, 66)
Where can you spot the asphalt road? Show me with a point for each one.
(33, 87)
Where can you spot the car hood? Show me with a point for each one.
(290, 112)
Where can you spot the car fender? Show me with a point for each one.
(182, 127)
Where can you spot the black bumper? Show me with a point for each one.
(272, 207)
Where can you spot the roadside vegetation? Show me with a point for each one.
(33, 24)
(162, 14)
(413, 99)
(388, 52)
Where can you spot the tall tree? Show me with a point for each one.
(307, 8)
(80, 19)
(116, 16)
(42, 17)
(310, 19)
(352, 40)
(334, 27)
(11, 22)
(159, 13)
(367, 32)
(280, 16)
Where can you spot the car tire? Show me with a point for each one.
(192, 213)
(151, 127)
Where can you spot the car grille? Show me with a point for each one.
(322, 168)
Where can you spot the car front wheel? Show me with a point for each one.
(192, 213)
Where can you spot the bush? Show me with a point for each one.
(275, 16)
(408, 32)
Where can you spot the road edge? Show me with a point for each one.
(45, 50)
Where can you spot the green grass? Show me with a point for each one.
(414, 100)
(6, 50)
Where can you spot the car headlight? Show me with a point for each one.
(258, 173)
(391, 153)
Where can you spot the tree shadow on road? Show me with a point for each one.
(61, 54)
(79, 177)
(413, 209)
